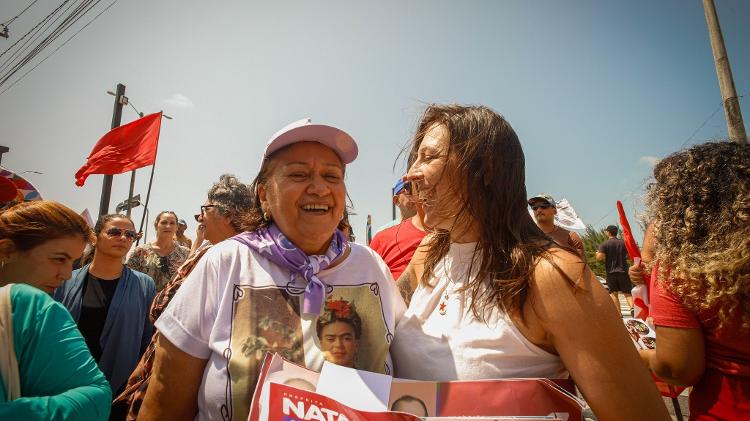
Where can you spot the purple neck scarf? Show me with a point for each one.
(273, 244)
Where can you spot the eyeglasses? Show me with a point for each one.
(117, 232)
(203, 211)
(542, 206)
(164, 264)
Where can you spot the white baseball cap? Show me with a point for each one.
(305, 131)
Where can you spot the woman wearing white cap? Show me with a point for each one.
(263, 290)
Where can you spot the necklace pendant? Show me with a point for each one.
(442, 308)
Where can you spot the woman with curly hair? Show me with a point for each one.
(700, 303)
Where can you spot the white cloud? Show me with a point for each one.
(179, 101)
(649, 160)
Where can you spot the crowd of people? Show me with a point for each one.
(468, 284)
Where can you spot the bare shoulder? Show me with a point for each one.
(560, 267)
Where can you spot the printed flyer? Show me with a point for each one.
(288, 392)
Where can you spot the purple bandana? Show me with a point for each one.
(273, 244)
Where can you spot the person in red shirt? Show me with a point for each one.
(397, 244)
(700, 297)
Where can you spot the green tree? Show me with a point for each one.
(591, 240)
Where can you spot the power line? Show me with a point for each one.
(67, 21)
(35, 27)
(38, 32)
(60, 46)
(16, 17)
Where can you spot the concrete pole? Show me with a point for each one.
(107, 183)
(732, 112)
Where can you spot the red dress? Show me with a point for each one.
(723, 393)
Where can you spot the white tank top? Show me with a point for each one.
(439, 339)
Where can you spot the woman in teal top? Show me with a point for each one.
(57, 379)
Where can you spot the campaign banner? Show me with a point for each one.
(288, 403)
(288, 392)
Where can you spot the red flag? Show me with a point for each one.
(123, 149)
(627, 234)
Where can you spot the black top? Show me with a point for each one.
(615, 255)
(97, 295)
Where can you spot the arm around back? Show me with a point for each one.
(584, 329)
(58, 374)
(172, 393)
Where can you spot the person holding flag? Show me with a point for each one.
(700, 297)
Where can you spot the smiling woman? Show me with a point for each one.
(491, 296)
(264, 290)
(47, 371)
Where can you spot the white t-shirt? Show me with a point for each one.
(235, 305)
(439, 338)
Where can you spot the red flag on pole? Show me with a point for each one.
(123, 149)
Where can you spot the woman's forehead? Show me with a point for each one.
(168, 216)
(308, 154)
(435, 137)
(119, 222)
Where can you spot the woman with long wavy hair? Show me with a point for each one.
(491, 296)
(700, 302)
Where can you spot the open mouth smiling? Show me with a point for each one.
(316, 208)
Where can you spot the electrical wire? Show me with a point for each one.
(5, 24)
(58, 48)
(35, 27)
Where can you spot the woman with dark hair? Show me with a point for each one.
(264, 289)
(110, 302)
(161, 258)
(228, 202)
(339, 329)
(700, 297)
(47, 371)
(491, 295)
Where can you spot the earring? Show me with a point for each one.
(266, 216)
(2, 264)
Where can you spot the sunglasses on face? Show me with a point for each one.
(541, 206)
(117, 232)
(406, 189)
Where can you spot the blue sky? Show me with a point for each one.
(596, 90)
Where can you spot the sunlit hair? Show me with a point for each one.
(254, 217)
(158, 217)
(485, 171)
(232, 198)
(700, 205)
(31, 224)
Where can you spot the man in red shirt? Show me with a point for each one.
(397, 244)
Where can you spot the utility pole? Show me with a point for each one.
(3, 149)
(120, 100)
(732, 112)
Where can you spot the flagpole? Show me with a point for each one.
(116, 119)
(145, 206)
(150, 182)
(132, 186)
